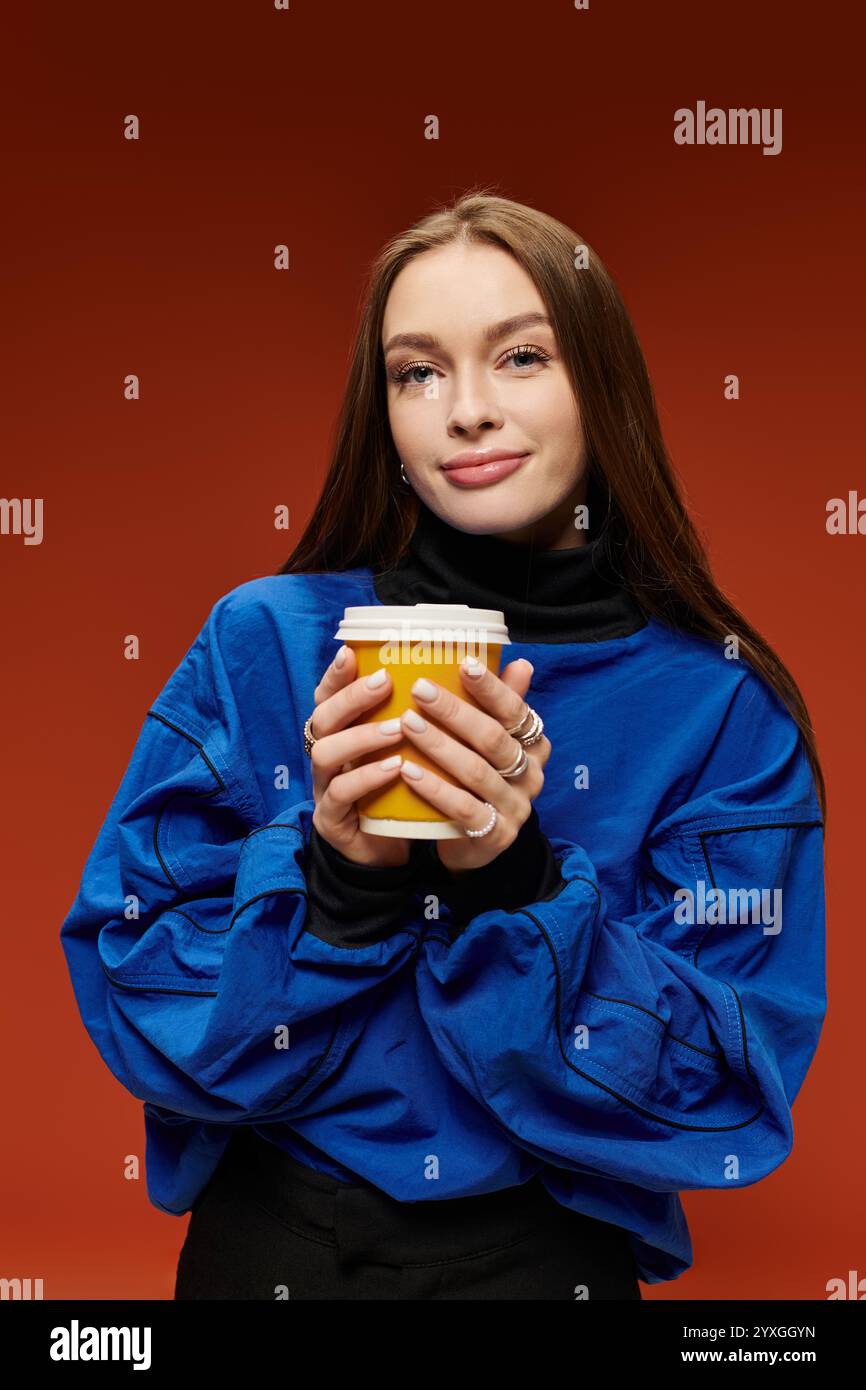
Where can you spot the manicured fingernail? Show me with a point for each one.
(378, 678)
(414, 721)
(424, 689)
(391, 762)
(412, 769)
(472, 666)
(390, 726)
(341, 655)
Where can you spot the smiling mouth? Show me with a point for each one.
(485, 471)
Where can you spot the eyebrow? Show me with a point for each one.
(426, 342)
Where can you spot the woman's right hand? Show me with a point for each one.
(340, 698)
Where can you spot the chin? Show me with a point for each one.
(486, 510)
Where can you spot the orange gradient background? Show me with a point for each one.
(155, 257)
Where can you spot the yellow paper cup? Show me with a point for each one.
(412, 640)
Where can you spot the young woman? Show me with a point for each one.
(481, 1067)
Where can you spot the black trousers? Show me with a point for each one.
(267, 1227)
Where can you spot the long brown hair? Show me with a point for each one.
(365, 517)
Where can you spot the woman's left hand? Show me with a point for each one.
(503, 697)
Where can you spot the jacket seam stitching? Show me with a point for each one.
(734, 830)
(672, 1038)
(240, 799)
(658, 1119)
(177, 871)
(307, 1082)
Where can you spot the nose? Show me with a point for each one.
(473, 404)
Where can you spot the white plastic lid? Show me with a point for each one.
(417, 622)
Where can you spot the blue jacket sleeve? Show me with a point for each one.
(663, 1048)
(188, 942)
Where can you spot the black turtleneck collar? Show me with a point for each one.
(546, 595)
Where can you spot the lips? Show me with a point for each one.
(478, 467)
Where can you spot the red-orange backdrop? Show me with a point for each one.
(305, 126)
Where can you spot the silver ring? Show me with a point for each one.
(485, 830)
(309, 736)
(522, 720)
(520, 764)
(534, 732)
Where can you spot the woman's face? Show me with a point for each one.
(462, 379)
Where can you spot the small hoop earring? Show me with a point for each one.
(403, 476)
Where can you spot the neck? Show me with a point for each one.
(559, 594)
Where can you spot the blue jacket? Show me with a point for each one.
(612, 1037)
